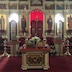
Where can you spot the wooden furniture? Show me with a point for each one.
(35, 58)
(37, 28)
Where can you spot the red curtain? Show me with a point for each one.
(36, 14)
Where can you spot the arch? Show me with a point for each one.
(13, 29)
(36, 14)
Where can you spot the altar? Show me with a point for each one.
(35, 58)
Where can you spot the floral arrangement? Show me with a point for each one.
(35, 40)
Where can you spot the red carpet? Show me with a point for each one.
(57, 64)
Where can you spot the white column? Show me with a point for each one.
(61, 53)
(46, 61)
(56, 46)
(59, 49)
(11, 50)
(17, 47)
(24, 65)
(44, 24)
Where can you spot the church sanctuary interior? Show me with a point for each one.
(35, 35)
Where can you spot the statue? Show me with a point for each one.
(70, 22)
(49, 22)
(23, 23)
(2, 22)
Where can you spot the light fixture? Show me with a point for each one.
(59, 17)
(14, 16)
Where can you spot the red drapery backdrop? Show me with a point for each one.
(36, 14)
